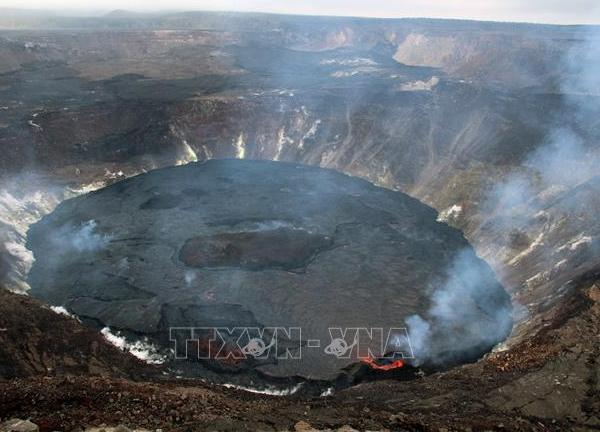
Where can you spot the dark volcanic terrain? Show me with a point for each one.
(262, 244)
(494, 125)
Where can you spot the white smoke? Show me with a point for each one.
(189, 277)
(567, 157)
(419, 332)
(142, 349)
(564, 160)
(61, 310)
(466, 314)
(271, 391)
(82, 238)
(24, 199)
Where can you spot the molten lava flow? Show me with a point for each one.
(372, 363)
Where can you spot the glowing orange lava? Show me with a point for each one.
(372, 363)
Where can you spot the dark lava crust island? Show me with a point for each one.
(258, 244)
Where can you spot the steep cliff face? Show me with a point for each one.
(497, 60)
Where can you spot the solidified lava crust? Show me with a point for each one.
(258, 244)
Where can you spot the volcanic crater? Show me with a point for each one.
(261, 244)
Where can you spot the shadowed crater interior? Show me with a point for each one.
(259, 244)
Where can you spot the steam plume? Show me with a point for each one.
(82, 238)
(566, 158)
(465, 314)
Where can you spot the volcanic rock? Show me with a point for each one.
(257, 244)
(18, 425)
(35, 340)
